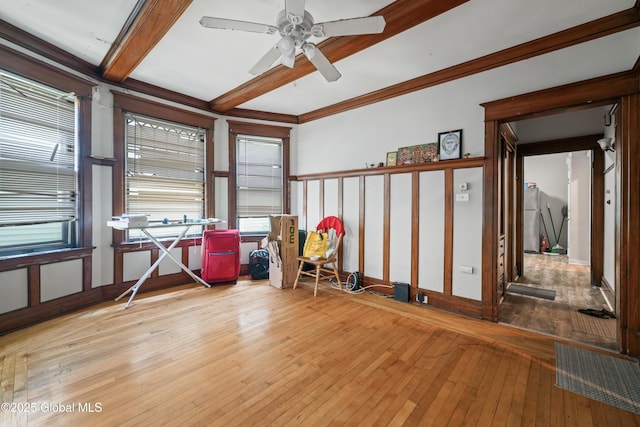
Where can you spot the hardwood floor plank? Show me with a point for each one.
(496, 393)
(400, 418)
(392, 401)
(531, 393)
(440, 364)
(504, 394)
(546, 382)
(516, 410)
(466, 391)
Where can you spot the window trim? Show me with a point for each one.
(125, 103)
(30, 68)
(242, 128)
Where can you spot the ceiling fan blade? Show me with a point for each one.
(317, 58)
(349, 27)
(232, 24)
(265, 62)
(294, 10)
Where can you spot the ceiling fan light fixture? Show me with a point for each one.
(309, 50)
(287, 45)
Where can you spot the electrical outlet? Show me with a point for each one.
(465, 269)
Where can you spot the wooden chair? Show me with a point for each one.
(320, 270)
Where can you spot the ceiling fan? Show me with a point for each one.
(295, 26)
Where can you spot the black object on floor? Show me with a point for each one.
(602, 314)
(531, 291)
(259, 264)
(401, 291)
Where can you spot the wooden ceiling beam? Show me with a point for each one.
(152, 23)
(399, 16)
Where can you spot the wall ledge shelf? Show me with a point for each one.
(471, 162)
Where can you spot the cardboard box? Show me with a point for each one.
(283, 250)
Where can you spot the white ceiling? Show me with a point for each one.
(206, 63)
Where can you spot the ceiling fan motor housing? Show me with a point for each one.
(293, 26)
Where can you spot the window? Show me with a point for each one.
(38, 167)
(258, 176)
(258, 182)
(164, 172)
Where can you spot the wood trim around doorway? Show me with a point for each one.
(625, 88)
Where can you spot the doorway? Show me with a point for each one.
(622, 269)
(553, 290)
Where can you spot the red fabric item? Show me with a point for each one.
(331, 222)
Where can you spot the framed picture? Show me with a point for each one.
(416, 154)
(392, 158)
(430, 152)
(404, 156)
(450, 144)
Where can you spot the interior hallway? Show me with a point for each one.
(560, 317)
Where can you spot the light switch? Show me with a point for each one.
(462, 197)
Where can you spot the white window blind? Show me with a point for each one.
(37, 166)
(164, 171)
(258, 182)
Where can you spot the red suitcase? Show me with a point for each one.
(220, 256)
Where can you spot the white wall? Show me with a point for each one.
(579, 229)
(432, 221)
(351, 217)
(610, 192)
(467, 234)
(374, 226)
(400, 228)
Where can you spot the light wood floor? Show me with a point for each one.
(252, 355)
(560, 317)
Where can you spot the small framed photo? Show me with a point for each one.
(430, 152)
(416, 154)
(392, 158)
(450, 144)
(404, 156)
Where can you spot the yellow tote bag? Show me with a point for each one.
(316, 244)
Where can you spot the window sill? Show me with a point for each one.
(15, 262)
(252, 237)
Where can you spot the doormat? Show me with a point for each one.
(608, 379)
(531, 291)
